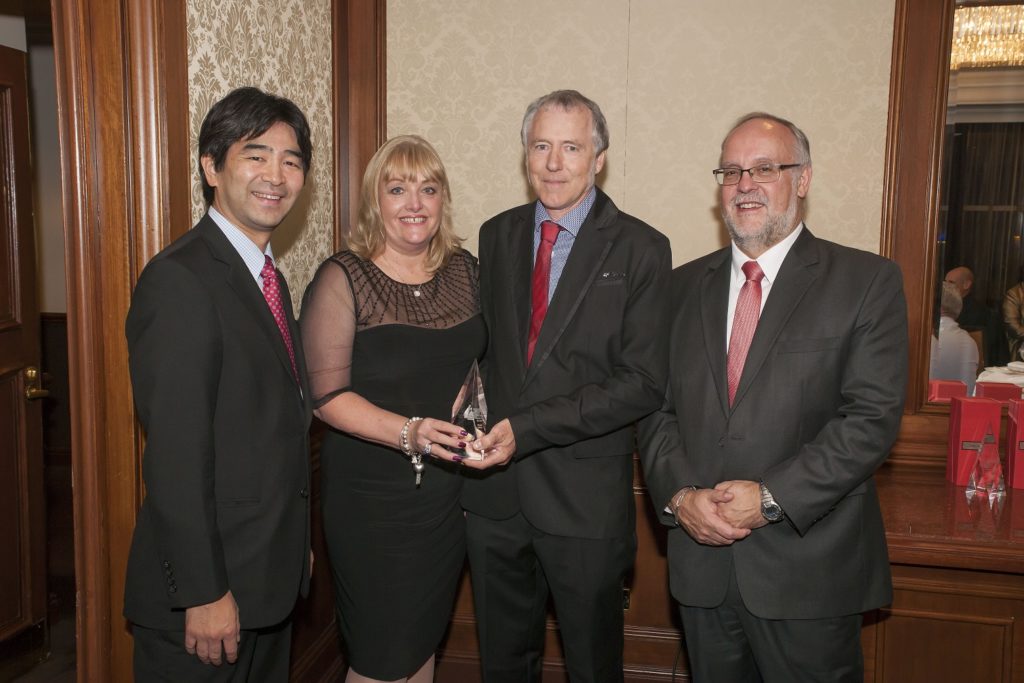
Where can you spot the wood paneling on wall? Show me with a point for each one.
(119, 91)
(917, 109)
(360, 101)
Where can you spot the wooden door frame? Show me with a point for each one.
(922, 33)
(122, 102)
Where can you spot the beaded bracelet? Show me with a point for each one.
(403, 438)
(414, 456)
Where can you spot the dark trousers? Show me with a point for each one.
(263, 656)
(514, 566)
(728, 644)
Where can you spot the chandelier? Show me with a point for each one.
(988, 36)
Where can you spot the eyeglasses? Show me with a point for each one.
(762, 173)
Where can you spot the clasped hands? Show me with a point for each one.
(446, 439)
(722, 515)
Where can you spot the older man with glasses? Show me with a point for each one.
(788, 366)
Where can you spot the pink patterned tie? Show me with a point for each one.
(272, 293)
(539, 283)
(744, 322)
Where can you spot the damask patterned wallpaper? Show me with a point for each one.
(283, 47)
(671, 77)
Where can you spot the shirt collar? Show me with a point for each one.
(947, 323)
(570, 222)
(770, 261)
(246, 248)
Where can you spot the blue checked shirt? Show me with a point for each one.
(570, 224)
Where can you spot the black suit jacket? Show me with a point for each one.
(817, 409)
(226, 462)
(596, 369)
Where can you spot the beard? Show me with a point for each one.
(776, 226)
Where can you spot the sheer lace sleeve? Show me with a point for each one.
(328, 332)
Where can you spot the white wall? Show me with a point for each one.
(671, 77)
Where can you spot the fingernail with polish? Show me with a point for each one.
(462, 444)
(463, 432)
(457, 458)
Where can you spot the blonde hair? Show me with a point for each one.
(407, 157)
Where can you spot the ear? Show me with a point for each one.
(599, 162)
(804, 183)
(209, 169)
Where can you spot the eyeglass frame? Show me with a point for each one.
(719, 173)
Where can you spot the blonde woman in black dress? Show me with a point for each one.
(390, 328)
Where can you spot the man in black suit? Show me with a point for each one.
(571, 289)
(221, 545)
(788, 367)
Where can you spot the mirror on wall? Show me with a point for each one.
(981, 212)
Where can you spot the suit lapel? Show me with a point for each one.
(518, 245)
(593, 242)
(795, 278)
(714, 307)
(248, 292)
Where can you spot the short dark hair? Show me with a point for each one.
(243, 114)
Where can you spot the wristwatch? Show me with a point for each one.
(770, 510)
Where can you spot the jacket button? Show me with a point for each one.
(166, 564)
(304, 492)
(172, 589)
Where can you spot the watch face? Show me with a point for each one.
(771, 511)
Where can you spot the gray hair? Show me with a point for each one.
(803, 145)
(569, 99)
(951, 304)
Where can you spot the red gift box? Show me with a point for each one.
(1015, 447)
(973, 423)
(941, 390)
(1000, 391)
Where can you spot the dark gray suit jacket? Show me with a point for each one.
(226, 463)
(817, 409)
(596, 369)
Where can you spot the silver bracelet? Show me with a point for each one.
(675, 505)
(403, 438)
(414, 456)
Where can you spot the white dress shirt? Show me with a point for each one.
(770, 262)
(954, 355)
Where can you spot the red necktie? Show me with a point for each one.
(539, 283)
(272, 293)
(744, 322)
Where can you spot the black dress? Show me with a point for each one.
(396, 551)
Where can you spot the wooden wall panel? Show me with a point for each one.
(955, 625)
(15, 612)
(120, 92)
(933, 647)
(917, 108)
(360, 106)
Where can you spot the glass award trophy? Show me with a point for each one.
(470, 410)
(987, 473)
